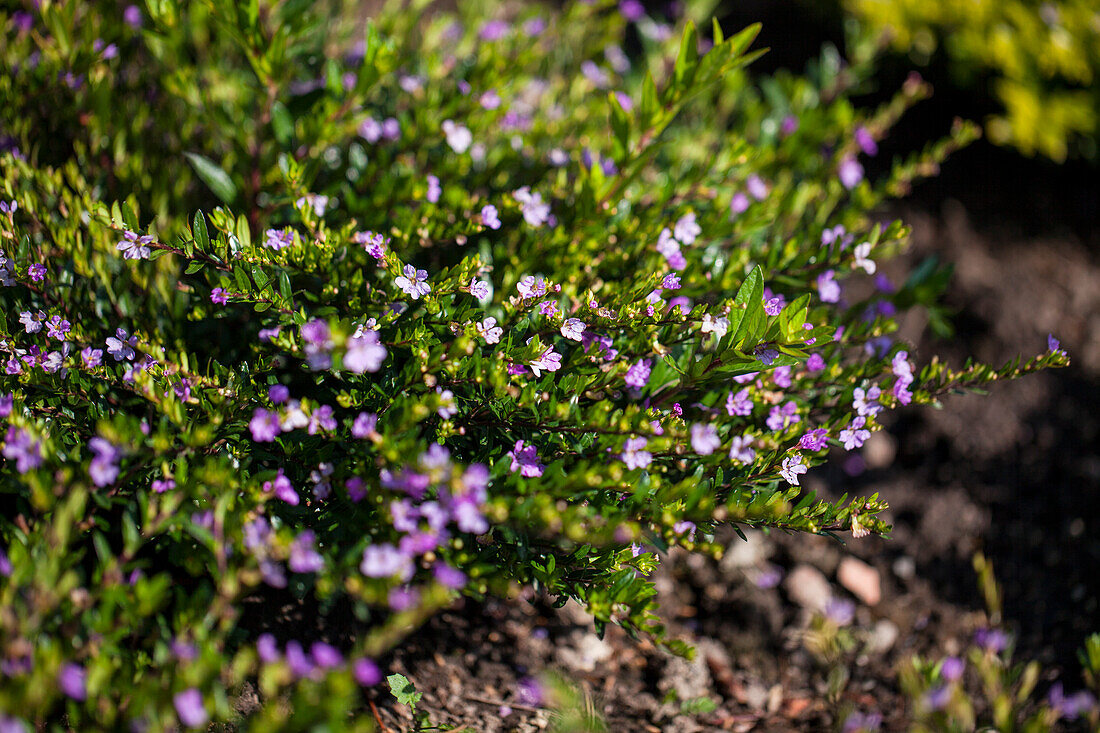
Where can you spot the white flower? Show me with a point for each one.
(459, 137)
(792, 468)
(718, 325)
(862, 260)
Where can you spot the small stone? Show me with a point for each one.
(861, 579)
(883, 636)
(905, 567)
(808, 587)
(880, 449)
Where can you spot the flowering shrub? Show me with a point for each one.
(379, 317)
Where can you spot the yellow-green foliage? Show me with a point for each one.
(1041, 59)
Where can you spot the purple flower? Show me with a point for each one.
(637, 376)
(489, 330)
(740, 450)
(531, 286)
(782, 377)
(815, 363)
(739, 404)
(631, 9)
(414, 282)
(860, 723)
(479, 289)
(102, 469)
(72, 679)
(866, 143)
(264, 425)
(855, 435)
(535, 211)
(789, 125)
(385, 561)
(1054, 346)
(671, 282)
(840, 611)
(267, 649)
(321, 419)
(493, 30)
(1072, 707)
(774, 306)
(573, 328)
(739, 204)
(58, 328)
(937, 697)
(132, 16)
(449, 577)
(190, 709)
(704, 439)
(792, 468)
(687, 230)
(282, 488)
(364, 425)
(863, 401)
(548, 360)
(37, 272)
(32, 322)
(120, 347)
(814, 439)
(952, 669)
(325, 655)
(782, 416)
(366, 672)
(529, 691)
(364, 353)
(20, 447)
(304, 557)
(91, 357)
(850, 173)
(489, 216)
(756, 187)
(219, 296)
(828, 289)
(278, 239)
(992, 640)
(6, 403)
(134, 247)
(525, 459)
(634, 454)
(434, 189)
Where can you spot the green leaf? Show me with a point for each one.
(193, 267)
(214, 177)
(202, 235)
(403, 690)
(282, 124)
(688, 58)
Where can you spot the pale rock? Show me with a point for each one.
(861, 579)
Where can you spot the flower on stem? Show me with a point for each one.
(637, 376)
(740, 450)
(525, 459)
(489, 216)
(219, 296)
(548, 360)
(133, 246)
(792, 468)
(573, 329)
(413, 282)
(489, 330)
(634, 454)
(364, 353)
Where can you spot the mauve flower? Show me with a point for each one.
(850, 173)
(458, 136)
(573, 328)
(792, 468)
(637, 376)
(190, 709)
(72, 679)
(366, 672)
(704, 439)
(364, 353)
(413, 282)
(325, 655)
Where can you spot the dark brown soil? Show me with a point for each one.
(1015, 474)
